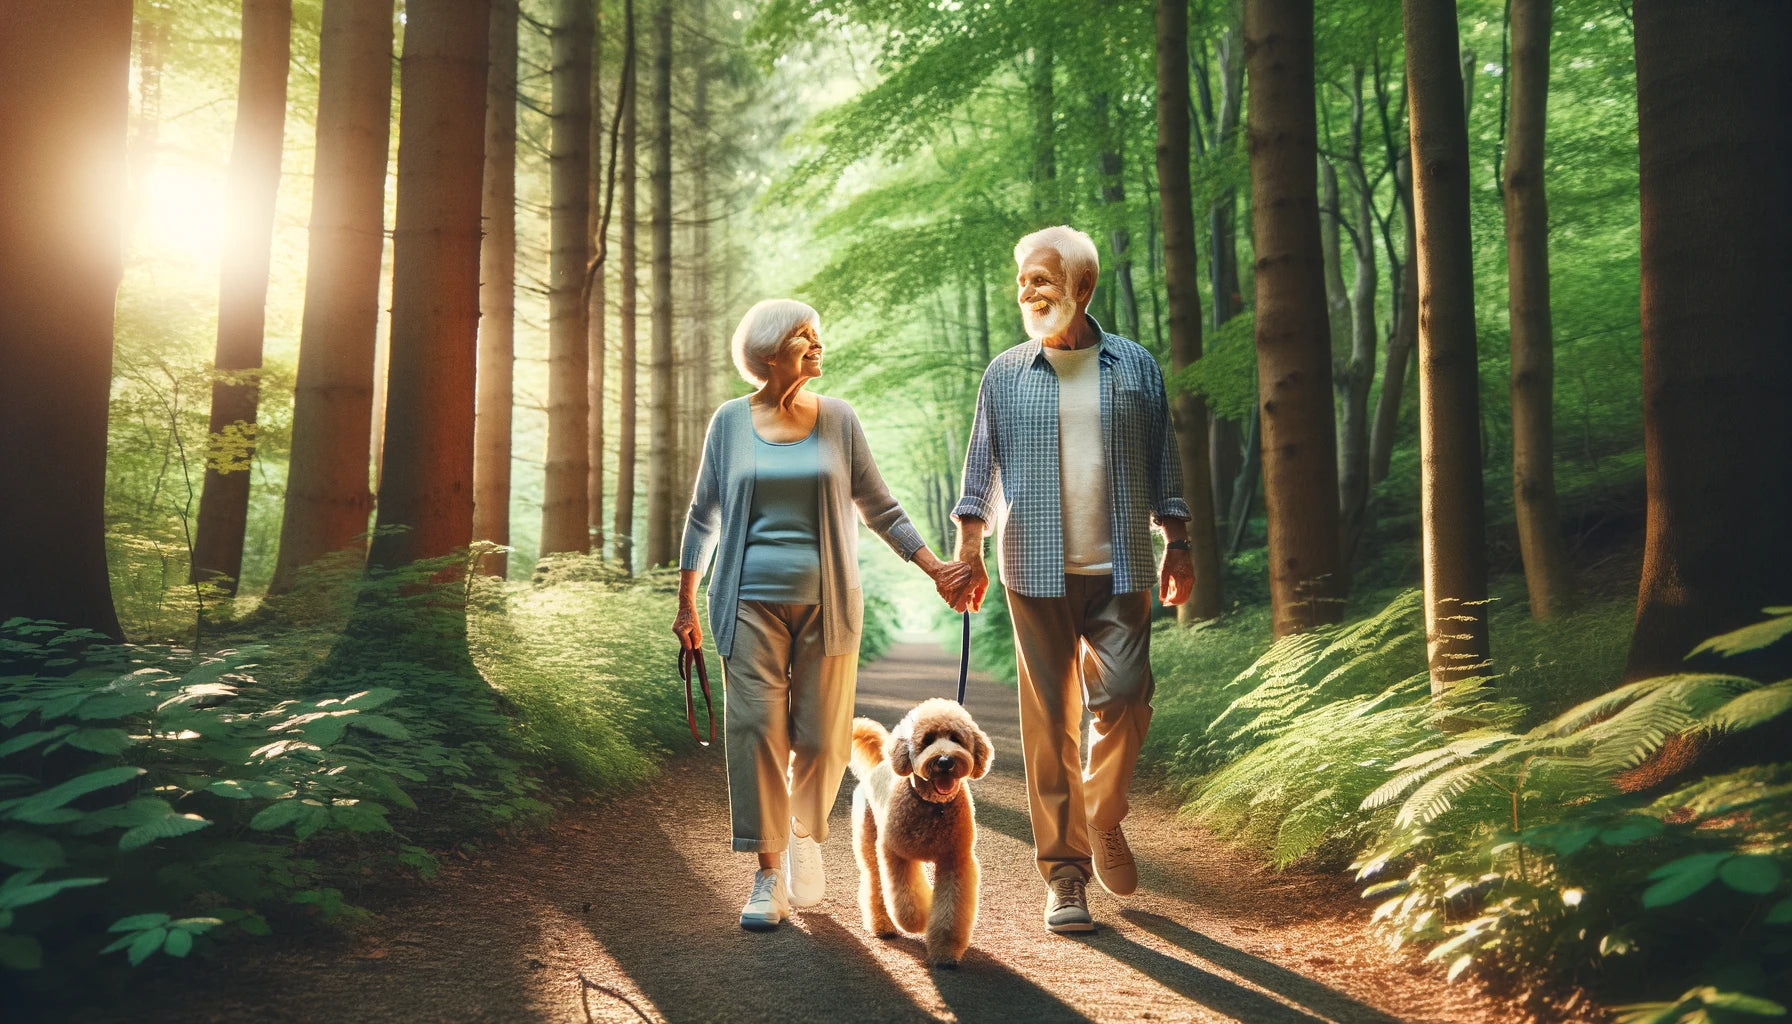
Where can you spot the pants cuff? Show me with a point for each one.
(760, 845)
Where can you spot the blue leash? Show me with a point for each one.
(964, 658)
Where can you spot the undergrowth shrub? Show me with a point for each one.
(1500, 845)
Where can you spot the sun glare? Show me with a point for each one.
(182, 211)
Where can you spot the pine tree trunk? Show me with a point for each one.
(565, 522)
(662, 401)
(497, 297)
(1182, 283)
(426, 479)
(703, 340)
(1714, 133)
(1404, 340)
(596, 315)
(1533, 359)
(65, 102)
(1451, 510)
(1300, 471)
(327, 484)
(243, 293)
(1113, 195)
(624, 530)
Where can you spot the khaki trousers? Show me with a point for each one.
(1090, 647)
(788, 732)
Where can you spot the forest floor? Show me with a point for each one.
(639, 893)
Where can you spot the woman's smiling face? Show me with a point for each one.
(799, 357)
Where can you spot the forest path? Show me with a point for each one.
(640, 893)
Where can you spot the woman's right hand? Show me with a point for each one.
(685, 627)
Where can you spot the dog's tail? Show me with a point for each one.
(867, 746)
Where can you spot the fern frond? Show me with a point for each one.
(1752, 708)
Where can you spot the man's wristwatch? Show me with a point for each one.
(1176, 545)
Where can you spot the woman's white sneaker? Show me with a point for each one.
(768, 904)
(802, 866)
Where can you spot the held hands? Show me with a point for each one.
(1175, 578)
(685, 627)
(967, 595)
(950, 579)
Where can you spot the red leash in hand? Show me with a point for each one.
(687, 657)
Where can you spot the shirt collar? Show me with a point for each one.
(1105, 351)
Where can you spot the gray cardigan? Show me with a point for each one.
(717, 523)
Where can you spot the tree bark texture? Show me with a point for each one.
(662, 403)
(1533, 357)
(1353, 372)
(624, 529)
(1450, 496)
(1182, 282)
(328, 482)
(1113, 195)
(1714, 127)
(596, 314)
(1225, 441)
(565, 517)
(497, 297)
(426, 480)
(65, 102)
(702, 322)
(254, 180)
(1300, 471)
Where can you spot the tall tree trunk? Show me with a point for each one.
(596, 314)
(624, 529)
(243, 293)
(1224, 441)
(703, 341)
(1405, 338)
(1451, 509)
(662, 402)
(327, 484)
(1355, 371)
(565, 522)
(1714, 134)
(1045, 160)
(426, 480)
(1533, 357)
(497, 297)
(65, 101)
(1113, 195)
(1300, 472)
(1182, 283)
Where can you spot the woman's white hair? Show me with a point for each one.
(763, 330)
(1075, 248)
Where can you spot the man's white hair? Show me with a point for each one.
(1075, 248)
(763, 330)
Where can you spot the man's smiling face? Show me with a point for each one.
(1046, 304)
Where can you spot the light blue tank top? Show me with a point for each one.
(782, 560)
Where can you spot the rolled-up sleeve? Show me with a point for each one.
(979, 477)
(877, 506)
(1166, 472)
(703, 522)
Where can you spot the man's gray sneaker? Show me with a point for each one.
(768, 904)
(1067, 905)
(1112, 858)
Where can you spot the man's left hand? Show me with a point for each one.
(1175, 578)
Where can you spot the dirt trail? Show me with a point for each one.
(640, 894)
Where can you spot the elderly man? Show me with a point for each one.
(1072, 453)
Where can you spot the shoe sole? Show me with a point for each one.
(760, 926)
(1072, 928)
(797, 904)
(1116, 892)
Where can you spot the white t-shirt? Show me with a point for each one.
(1082, 465)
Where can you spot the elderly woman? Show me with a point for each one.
(782, 472)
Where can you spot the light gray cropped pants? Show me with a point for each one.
(789, 724)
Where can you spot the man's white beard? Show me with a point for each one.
(1053, 321)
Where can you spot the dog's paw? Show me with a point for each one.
(885, 933)
(944, 963)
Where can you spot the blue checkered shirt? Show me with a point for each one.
(1011, 468)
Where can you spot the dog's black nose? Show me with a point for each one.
(943, 765)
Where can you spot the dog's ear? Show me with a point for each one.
(896, 751)
(982, 753)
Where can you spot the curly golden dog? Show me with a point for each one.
(911, 808)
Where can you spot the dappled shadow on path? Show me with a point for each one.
(1290, 985)
(1185, 979)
